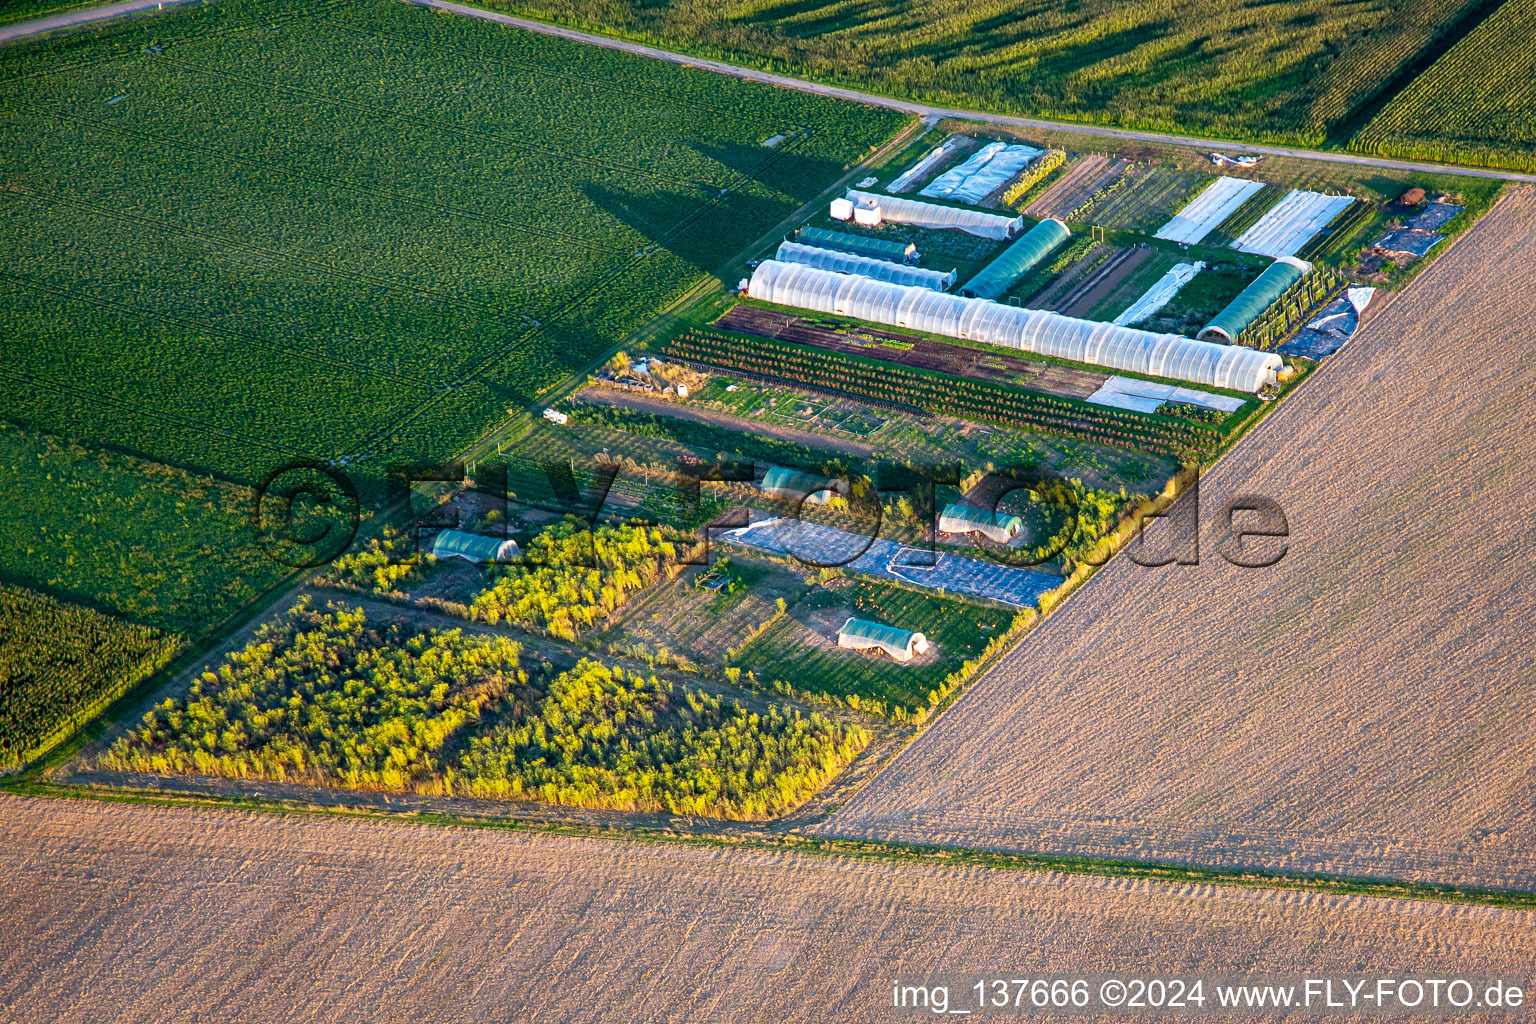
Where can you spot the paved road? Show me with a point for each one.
(88, 16)
(925, 110)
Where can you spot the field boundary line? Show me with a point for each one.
(612, 826)
(929, 110)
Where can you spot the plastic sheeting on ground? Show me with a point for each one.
(1218, 202)
(1414, 243)
(1026, 330)
(1433, 217)
(1160, 294)
(931, 215)
(826, 545)
(924, 167)
(984, 173)
(1331, 328)
(1116, 388)
(850, 263)
(1291, 223)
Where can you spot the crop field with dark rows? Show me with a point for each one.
(1476, 104)
(1259, 71)
(245, 233)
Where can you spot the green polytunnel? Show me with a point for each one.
(864, 635)
(1252, 301)
(1017, 260)
(859, 245)
(998, 526)
(473, 547)
(794, 485)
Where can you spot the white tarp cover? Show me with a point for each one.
(923, 167)
(1027, 330)
(1135, 403)
(1291, 223)
(848, 263)
(984, 173)
(930, 215)
(1133, 387)
(1161, 292)
(1218, 202)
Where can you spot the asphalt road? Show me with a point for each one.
(925, 110)
(87, 16)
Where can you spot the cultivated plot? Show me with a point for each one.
(1365, 705)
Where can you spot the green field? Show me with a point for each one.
(1476, 104)
(243, 233)
(1283, 72)
(60, 664)
(799, 650)
(150, 543)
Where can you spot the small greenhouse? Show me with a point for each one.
(1017, 260)
(1026, 330)
(473, 547)
(851, 263)
(1253, 300)
(931, 215)
(861, 245)
(997, 526)
(864, 635)
(794, 485)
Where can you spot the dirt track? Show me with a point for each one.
(1368, 705)
(127, 913)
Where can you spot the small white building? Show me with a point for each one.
(867, 213)
(864, 635)
(842, 209)
(556, 416)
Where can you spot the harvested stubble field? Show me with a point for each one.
(1363, 707)
(133, 913)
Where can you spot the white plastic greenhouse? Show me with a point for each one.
(849, 263)
(985, 172)
(1291, 223)
(1028, 330)
(930, 215)
(1216, 203)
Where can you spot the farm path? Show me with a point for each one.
(84, 16)
(127, 912)
(932, 112)
(1364, 706)
(662, 407)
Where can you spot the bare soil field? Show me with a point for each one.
(134, 913)
(1367, 706)
(1098, 286)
